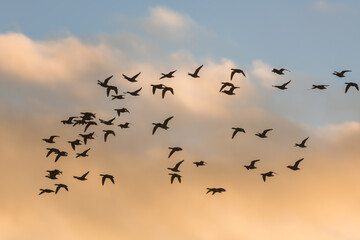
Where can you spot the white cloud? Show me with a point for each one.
(262, 72)
(327, 7)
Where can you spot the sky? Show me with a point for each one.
(53, 53)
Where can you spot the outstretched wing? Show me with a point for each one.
(178, 164)
(347, 87)
(154, 129)
(112, 180)
(83, 176)
(234, 133)
(171, 152)
(264, 177)
(167, 120)
(197, 70)
(304, 141)
(267, 130)
(297, 162)
(345, 71)
(137, 91)
(284, 85)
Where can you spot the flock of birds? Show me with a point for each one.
(88, 119)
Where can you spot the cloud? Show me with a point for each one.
(262, 72)
(328, 7)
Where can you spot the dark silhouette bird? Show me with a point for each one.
(105, 83)
(120, 96)
(111, 88)
(282, 87)
(107, 133)
(296, 165)
(176, 168)
(131, 79)
(173, 150)
(196, 73)
(83, 177)
(80, 121)
(87, 136)
(50, 139)
(341, 74)
(230, 91)
(173, 176)
(69, 121)
(108, 122)
(251, 165)
(134, 93)
(268, 174)
(321, 87)
(88, 124)
(124, 125)
(165, 89)
(236, 70)
(351, 84)
(279, 71)
(215, 190)
(53, 173)
(226, 84)
(87, 116)
(52, 150)
(45, 191)
(60, 154)
(59, 186)
(200, 163)
(83, 154)
(161, 125)
(121, 110)
(107, 176)
(236, 130)
(263, 134)
(302, 144)
(168, 75)
(156, 86)
(75, 143)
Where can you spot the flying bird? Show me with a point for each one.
(111, 88)
(60, 154)
(351, 84)
(107, 176)
(53, 173)
(268, 174)
(176, 168)
(279, 71)
(120, 96)
(200, 163)
(321, 87)
(173, 150)
(196, 73)
(50, 139)
(173, 176)
(108, 122)
(59, 186)
(105, 83)
(161, 125)
(45, 191)
(302, 144)
(167, 75)
(295, 166)
(69, 121)
(236, 70)
(341, 74)
(230, 91)
(251, 165)
(75, 143)
(88, 124)
(88, 116)
(165, 89)
(52, 150)
(121, 110)
(83, 177)
(124, 125)
(83, 154)
(226, 84)
(236, 130)
(134, 93)
(87, 136)
(131, 79)
(215, 190)
(156, 86)
(107, 133)
(282, 87)
(263, 134)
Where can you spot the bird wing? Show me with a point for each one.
(297, 162)
(172, 72)
(57, 189)
(134, 77)
(172, 178)
(267, 130)
(179, 178)
(103, 180)
(107, 79)
(163, 92)
(112, 180)
(197, 70)
(286, 83)
(137, 91)
(253, 162)
(345, 71)
(178, 164)
(232, 74)
(126, 77)
(304, 141)
(105, 136)
(57, 157)
(347, 87)
(171, 152)
(83, 176)
(264, 177)
(234, 133)
(154, 129)
(167, 120)
(153, 89)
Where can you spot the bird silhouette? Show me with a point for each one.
(165, 89)
(176, 168)
(88, 124)
(111, 88)
(282, 87)
(341, 74)
(134, 93)
(161, 125)
(124, 125)
(351, 84)
(53, 173)
(236, 70)
(173, 176)
(87, 116)
(295, 166)
(279, 71)
(230, 91)
(215, 190)
(107, 176)
(45, 191)
(69, 121)
(263, 134)
(321, 87)
(83, 177)
(87, 136)
(60, 154)
(59, 186)
(50, 139)
(200, 163)
(236, 130)
(196, 73)
(131, 79)
(107, 133)
(120, 96)
(173, 150)
(268, 174)
(167, 75)
(108, 122)
(302, 144)
(226, 84)
(75, 143)
(83, 154)
(105, 83)
(156, 86)
(52, 150)
(251, 165)
(121, 110)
